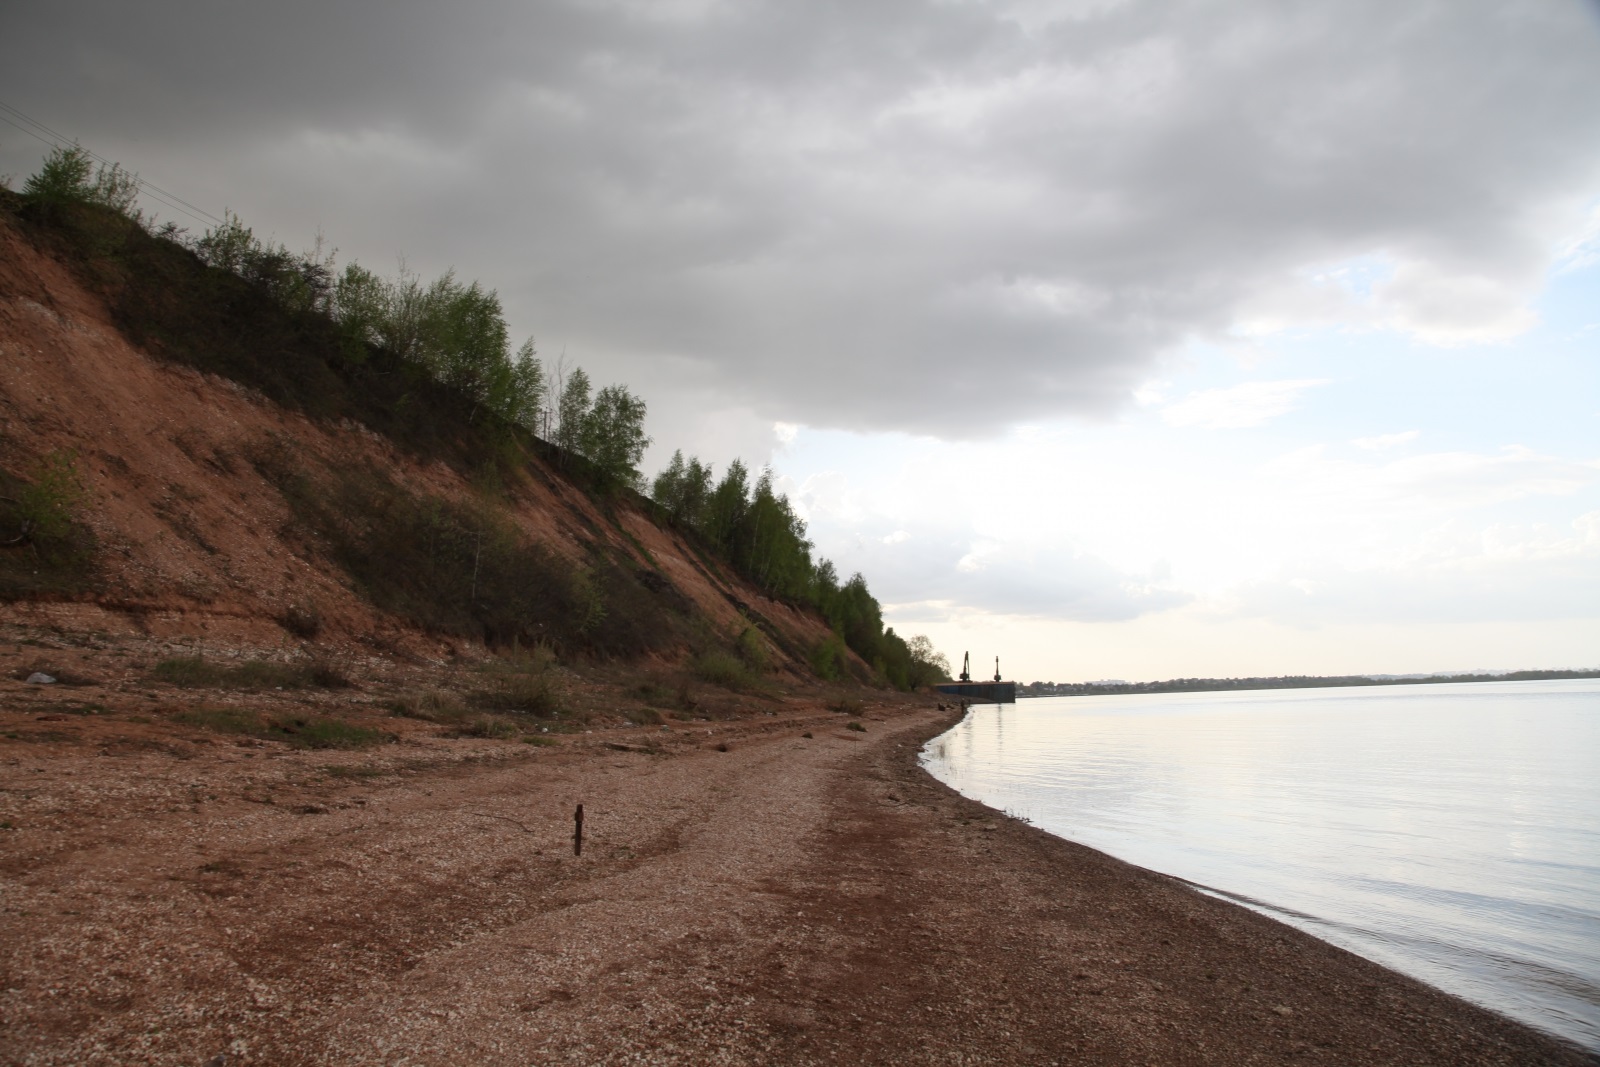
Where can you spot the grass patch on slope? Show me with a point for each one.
(465, 569)
(45, 548)
(195, 672)
(298, 731)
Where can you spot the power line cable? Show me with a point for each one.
(156, 193)
(27, 131)
(151, 191)
(58, 140)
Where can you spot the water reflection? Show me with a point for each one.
(1451, 832)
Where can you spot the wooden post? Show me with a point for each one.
(577, 831)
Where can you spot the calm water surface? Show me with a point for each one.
(1448, 831)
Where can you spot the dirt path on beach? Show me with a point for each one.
(788, 900)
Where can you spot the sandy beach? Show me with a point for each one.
(746, 894)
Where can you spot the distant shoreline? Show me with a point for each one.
(1295, 681)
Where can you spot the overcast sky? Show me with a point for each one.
(1118, 338)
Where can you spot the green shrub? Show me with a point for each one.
(521, 682)
(300, 284)
(298, 731)
(656, 693)
(256, 674)
(69, 176)
(48, 506)
(223, 720)
(519, 659)
(855, 726)
(721, 668)
(489, 726)
(64, 177)
(429, 706)
(751, 648)
(319, 732)
(44, 545)
(828, 658)
(188, 672)
(522, 694)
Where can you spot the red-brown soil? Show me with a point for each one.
(746, 894)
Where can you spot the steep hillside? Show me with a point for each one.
(275, 499)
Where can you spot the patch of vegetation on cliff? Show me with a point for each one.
(45, 548)
(195, 672)
(720, 668)
(521, 682)
(298, 731)
(463, 568)
(166, 300)
(511, 695)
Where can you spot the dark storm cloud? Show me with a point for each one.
(883, 215)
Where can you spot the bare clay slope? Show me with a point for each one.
(185, 476)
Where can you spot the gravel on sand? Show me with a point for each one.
(744, 897)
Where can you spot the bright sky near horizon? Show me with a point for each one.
(1119, 338)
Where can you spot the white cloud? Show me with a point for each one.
(948, 567)
(1470, 479)
(1439, 302)
(1454, 574)
(824, 497)
(1151, 394)
(1239, 406)
(1387, 440)
(978, 557)
(1447, 306)
(1112, 523)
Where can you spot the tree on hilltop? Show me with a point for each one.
(572, 411)
(613, 434)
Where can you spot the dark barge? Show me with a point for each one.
(968, 691)
(981, 692)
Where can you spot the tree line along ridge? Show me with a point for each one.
(384, 348)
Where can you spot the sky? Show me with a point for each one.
(1116, 338)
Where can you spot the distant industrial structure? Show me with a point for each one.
(965, 689)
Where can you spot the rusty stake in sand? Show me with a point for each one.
(577, 831)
